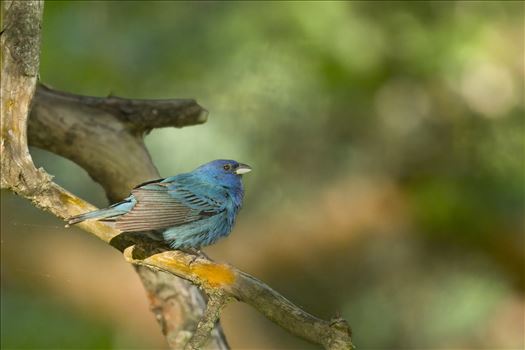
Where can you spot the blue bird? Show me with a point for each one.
(189, 210)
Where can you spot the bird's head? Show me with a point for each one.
(227, 172)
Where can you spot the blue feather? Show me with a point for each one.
(106, 214)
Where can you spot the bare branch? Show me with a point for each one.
(216, 302)
(223, 281)
(84, 129)
(137, 114)
(20, 45)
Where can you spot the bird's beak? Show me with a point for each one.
(243, 169)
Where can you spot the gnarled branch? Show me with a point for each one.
(84, 129)
(224, 282)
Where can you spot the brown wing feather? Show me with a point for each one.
(154, 210)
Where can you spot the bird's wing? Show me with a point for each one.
(166, 204)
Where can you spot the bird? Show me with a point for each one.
(189, 210)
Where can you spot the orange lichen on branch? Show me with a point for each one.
(69, 199)
(216, 275)
(200, 271)
(9, 104)
(196, 269)
(79, 206)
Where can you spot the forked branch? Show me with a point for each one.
(223, 282)
(84, 129)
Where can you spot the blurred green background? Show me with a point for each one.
(387, 141)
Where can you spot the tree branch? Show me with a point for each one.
(84, 129)
(222, 282)
(216, 302)
(138, 115)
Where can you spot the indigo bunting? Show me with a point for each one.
(189, 210)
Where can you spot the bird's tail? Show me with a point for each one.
(103, 214)
(96, 214)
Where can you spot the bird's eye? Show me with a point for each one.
(227, 167)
